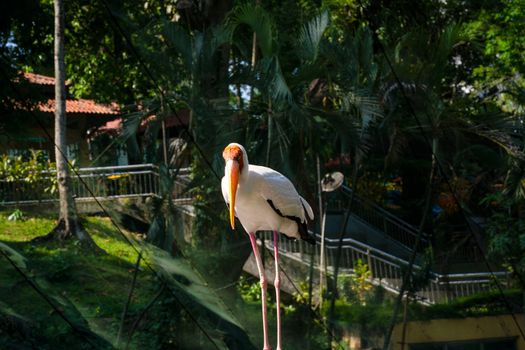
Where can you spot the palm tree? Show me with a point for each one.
(68, 222)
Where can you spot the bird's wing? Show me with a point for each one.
(275, 187)
(308, 208)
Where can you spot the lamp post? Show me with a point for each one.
(329, 183)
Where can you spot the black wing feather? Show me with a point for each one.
(302, 227)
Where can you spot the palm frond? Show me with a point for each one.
(177, 149)
(310, 37)
(179, 39)
(448, 39)
(276, 86)
(219, 35)
(283, 138)
(131, 123)
(515, 180)
(367, 112)
(501, 139)
(259, 21)
(368, 68)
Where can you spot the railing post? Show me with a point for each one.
(369, 259)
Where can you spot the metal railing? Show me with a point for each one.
(387, 270)
(117, 182)
(383, 220)
(141, 180)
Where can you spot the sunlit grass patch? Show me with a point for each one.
(22, 231)
(96, 285)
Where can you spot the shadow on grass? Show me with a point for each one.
(95, 288)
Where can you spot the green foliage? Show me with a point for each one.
(498, 29)
(250, 289)
(506, 231)
(355, 288)
(16, 215)
(372, 316)
(302, 327)
(311, 35)
(481, 304)
(260, 22)
(31, 176)
(361, 280)
(28, 168)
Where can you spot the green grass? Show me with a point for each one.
(97, 285)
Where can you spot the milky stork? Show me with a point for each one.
(263, 200)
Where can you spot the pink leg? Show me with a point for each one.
(262, 277)
(277, 284)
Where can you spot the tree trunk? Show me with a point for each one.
(68, 214)
(68, 223)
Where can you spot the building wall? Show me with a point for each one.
(453, 330)
(75, 135)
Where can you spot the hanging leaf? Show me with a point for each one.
(205, 306)
(13, 255)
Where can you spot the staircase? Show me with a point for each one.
(384, 242)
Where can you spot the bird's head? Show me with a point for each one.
(236, 163)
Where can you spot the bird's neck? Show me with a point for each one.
(245, 174)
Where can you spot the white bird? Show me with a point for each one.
(263, 200)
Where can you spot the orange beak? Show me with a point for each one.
(234, 181)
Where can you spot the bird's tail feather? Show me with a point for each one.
(308, 208)
(303, 232)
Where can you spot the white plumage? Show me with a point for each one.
(257, 186)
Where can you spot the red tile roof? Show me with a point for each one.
(116, 124)
(183, 115)
(80, 106)
(112, 125)
(40, 79)
(73, 106)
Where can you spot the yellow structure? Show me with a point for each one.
(488, 332)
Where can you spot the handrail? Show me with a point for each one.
(120, 167)
(387, 270)
(380, 209)
(385, 213)
(380, 218)
(123, 181)
(367, 248)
